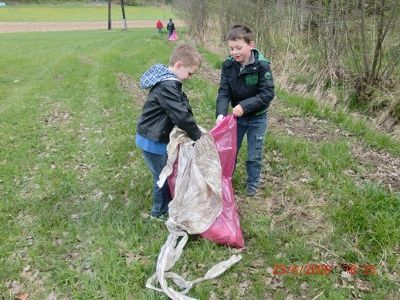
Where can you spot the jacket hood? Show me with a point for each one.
(156, 74)
(259, 56)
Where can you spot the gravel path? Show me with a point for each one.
(70, 26)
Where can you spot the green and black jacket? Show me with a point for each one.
(252, 87)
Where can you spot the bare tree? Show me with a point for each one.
(124, 25)
(109, 14)
(351, 43)
(377, 19)
(195, 13)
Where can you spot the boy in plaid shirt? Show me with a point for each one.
(166, 106)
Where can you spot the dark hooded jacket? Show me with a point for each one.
(170, 26)
(252, 86)
(165, 107)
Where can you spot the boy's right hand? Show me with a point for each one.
(219, 119)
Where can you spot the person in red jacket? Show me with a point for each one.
(159, 26)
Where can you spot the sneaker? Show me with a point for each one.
(160, 218)
(251, 191)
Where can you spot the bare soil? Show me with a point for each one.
(72, 26)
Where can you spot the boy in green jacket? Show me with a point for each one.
(246, 83)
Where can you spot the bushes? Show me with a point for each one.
(331, 42)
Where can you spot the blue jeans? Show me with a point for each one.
(161, 196)
(255, 127)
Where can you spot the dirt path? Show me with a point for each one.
(71, 26)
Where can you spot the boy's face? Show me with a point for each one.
(240, 50)
(184, 72)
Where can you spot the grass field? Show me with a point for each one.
(65, 13)
(74, 190)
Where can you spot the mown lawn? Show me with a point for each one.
(75, 192)
(81, 13)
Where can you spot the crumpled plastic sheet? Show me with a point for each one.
(195, 207)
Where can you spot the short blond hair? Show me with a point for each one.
(187, 54)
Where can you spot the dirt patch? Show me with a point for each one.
(57, 117)
(310, 128)
(209, 74)
(128, 84)
(381, 166)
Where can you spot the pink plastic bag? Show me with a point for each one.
(173, 37)
(226, 228)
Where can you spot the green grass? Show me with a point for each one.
(214, 60)
(69, 13)
(73, 186)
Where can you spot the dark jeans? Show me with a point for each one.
(161, 196)
(255, 127)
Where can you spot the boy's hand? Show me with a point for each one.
(219, 119)
(238, 111)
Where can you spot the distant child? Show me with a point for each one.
(166, 106)
(170, 27)
(246, 82)
(159, 26)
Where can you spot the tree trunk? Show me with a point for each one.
(363, 30)
(124, 25)
(109, 14)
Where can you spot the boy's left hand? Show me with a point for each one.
(238, 111)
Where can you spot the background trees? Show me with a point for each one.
(348, 50)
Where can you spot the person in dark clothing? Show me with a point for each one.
(247, 84)
(166, 106)
(170, 27)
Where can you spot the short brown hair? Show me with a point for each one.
(187, 54)
(240, 32)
